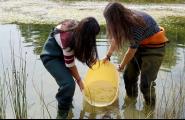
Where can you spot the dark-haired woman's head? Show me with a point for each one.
(85, 41)
(120, 20)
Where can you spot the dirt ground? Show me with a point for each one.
(53, 11)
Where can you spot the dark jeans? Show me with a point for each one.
(56, 67)
(146, 63)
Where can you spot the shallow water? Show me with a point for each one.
(29, 39)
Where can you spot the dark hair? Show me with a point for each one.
(120, 21)
(84, 42)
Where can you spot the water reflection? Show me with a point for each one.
(175, 28)
(91, 112)
(35, 36)
(130, 110)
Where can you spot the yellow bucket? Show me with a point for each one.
(101, 84)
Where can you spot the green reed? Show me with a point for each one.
(2, 100)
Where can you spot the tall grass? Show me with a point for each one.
(2, 94)
(13, 86)
(172, 103)
(44, 105)
(17, 86)
(2, 100)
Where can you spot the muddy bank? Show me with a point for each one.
(52, 12)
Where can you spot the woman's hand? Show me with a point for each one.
(127, 58)
(110, 51)
(107, 58)
(77, 77)
(120, 68)
(80, 84)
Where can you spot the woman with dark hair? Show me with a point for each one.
(145, 53)
(69, 40)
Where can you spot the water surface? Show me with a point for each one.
(29, 39)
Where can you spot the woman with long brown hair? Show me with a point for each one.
(69, 40)
(145, 53)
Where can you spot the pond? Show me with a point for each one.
(26, 42)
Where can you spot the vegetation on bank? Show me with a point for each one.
(137, 1)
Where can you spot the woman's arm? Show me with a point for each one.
(127, 57)
(76, 75)
(110, 51)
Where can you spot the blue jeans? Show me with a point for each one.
(56, 67)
